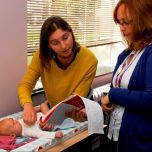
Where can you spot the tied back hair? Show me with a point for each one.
(49, 27)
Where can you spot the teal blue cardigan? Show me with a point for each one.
(136, 128)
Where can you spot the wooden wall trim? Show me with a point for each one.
(102, 80)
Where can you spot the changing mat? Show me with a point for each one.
(40, 143)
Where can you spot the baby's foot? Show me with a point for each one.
(58, 134)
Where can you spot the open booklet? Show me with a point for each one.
(56, 115)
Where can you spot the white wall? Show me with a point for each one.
(13, 58)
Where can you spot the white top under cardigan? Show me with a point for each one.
(117, 113)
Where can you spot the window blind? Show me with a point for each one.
(91, 20)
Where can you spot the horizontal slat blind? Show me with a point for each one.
(91, 20)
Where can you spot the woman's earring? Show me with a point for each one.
(52, 54)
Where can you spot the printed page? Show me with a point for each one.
(58, 115)
(94, 116)
(94, 112)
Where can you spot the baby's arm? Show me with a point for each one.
(44, 107)
(37, 132)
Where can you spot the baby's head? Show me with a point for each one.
(10, 126)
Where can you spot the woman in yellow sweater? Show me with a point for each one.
(64, 66)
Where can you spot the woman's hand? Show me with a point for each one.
(77, 115)
(29, 114)
(106, 105)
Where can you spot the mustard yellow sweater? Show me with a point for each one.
(58, 84)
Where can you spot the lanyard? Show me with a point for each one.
(122, 69)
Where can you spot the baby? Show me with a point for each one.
(10, 126)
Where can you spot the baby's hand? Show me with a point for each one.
(46, 126)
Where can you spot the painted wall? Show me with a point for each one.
(13, 59)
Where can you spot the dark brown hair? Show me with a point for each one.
(141, 14)
(50, 26)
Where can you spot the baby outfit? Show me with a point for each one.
(35, 130)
